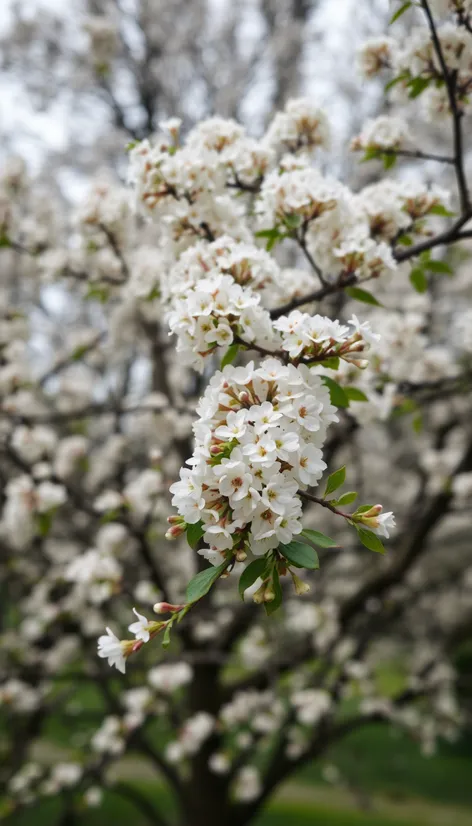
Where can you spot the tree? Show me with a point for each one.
(101, 409)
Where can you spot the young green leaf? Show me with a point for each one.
(347, 498)
(389, 159)
(418, 280)
(302, 556)
(292, 221)
(319, 539)
(417, 85)
(194, 534)
(370, 540)
(335, 480)
(230, 355)
(202, 582)
(439, 209)
(395, 80)
(166, 637)
(362, 295)
(355, 395)
(336, 392)
(405, 240)
(439, 266)
(251, 572)
(331, 363)
(400, 11)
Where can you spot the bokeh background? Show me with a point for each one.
(80, 80)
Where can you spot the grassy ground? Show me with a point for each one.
(295, 806)
(377, 760)
(382, 769)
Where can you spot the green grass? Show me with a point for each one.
(377, 759)
(118, 812)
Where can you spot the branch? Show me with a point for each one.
(450, 79)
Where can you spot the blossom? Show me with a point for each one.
(244, 487)
(112, 649)
(140, 629)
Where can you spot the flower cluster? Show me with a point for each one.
(258, 440)
(383, 133)
(301, 126)
(318, 338)
(215, 313)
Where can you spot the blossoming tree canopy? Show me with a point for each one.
(240, 353)
(220, 198)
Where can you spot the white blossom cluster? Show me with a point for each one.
(258, 440)
(214, 314)
(383, 133)
(415, 59)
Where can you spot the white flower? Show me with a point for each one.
(386, 523)
(310, 464)
(111, 648)
(140, 629)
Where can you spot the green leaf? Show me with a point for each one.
(202, 582)
(80, 352)
(418, 423)
(405, 240)
(389, 159)
(273, 236)
(129, 146)
(370, 540)
(364, 508)
(418, 280)
(417, 85)
(355, 395)
(99, 293)
(292, 221)
(319, 539)
(335, 480)
(251, 572)
(194, 534)
(336, 392)
(230, 355)
(439, 209)
(332, 363)
(267, 233)
(166, 638)
(270, 607)
(4, 241)
(302, 556)
(395, 80)
(399, 12)
(43, 523)
(438, 266)
(347, 498)
(370, 154)
(362, 295)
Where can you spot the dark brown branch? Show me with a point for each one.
(450, 79)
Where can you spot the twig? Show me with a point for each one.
(450, 79)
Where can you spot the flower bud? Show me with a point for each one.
(175, 531)
(258, 595)
(241, 556)
(269, 594)
(244, 397)
(301, 587)
(174, 520)
(166, 608)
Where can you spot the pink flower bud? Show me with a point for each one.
(175, 531)
(166, 608)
